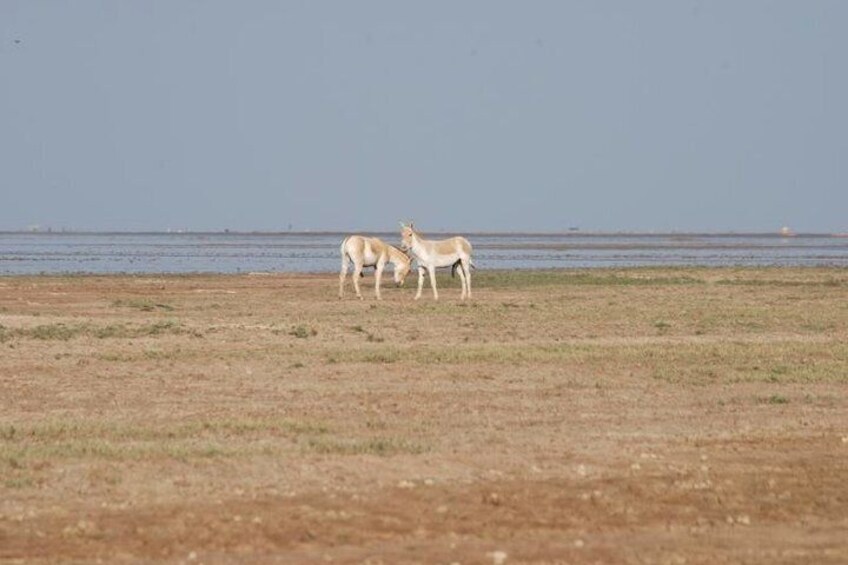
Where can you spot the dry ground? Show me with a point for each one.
(605, 416)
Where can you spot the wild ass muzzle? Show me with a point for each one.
(371, 252)
(438, 253)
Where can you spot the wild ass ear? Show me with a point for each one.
(402, 225)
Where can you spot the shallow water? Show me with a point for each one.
(57, 252)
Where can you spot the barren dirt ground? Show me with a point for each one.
(601, 416)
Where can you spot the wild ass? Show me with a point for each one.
(371, 252)
(438, 253)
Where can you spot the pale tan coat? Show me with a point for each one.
(438, 253)
(361, 252)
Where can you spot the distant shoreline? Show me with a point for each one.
(234, 252)
(332, 276)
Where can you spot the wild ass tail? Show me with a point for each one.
(455, 266)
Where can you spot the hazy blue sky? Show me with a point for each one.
(463, 115)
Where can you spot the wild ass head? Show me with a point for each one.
(401, 270)
(406, 233)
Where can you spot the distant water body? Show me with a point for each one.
(61, 253)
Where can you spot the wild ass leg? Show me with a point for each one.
(343, 274)
(420, 282)
(431, 270)
(357, 274)
(461, 272)
(466, 266)
(378, 275)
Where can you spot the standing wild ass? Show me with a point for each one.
(371, 252)
(438, 253)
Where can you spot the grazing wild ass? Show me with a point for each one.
(438, 253)
(371, 252)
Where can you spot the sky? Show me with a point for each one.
(462, 115)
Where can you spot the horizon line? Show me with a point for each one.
(563, 232)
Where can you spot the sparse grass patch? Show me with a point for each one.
(169, 326)
(182, 440)
(146, 355)
(376, 425)
(143, 304)
(302, 332)
(64, 332)
(14, 463)
(818, 327)
(8, 433)
(381, 446)
(114, 357)
(380, 357)
(831, 282)
(689, 375)
(113, 450)
(53, 332)
(599, 277)
(159, 355)
(706, 363)
(773, 399)
(369, 336)
(18, 482)
(800, 362)
(462, 353)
